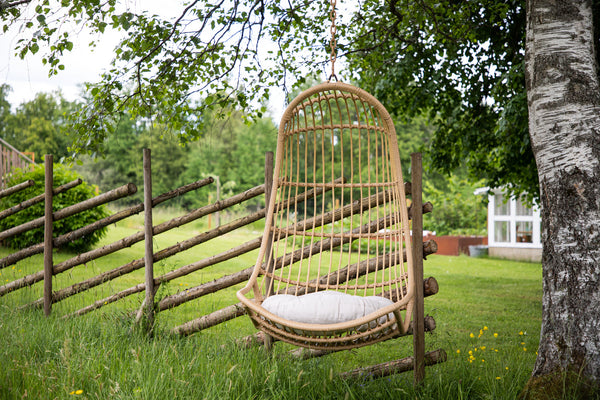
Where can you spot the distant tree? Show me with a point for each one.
(39, 126)
(4, 108)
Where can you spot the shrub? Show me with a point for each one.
(72, 196)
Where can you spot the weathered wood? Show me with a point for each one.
(165, 253)
(175, 222)
(136, 264)
(148, 242)
(232, 311)
(212, 319)
(427, 208)
(48, 229)
(114, 194)
(231, 253)
(417, 250)
(396, 366)
(63, 239)
(17, 188)
(269, 238)
(39, 198)
(290, 258)
(430, 285)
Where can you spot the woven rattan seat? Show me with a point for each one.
(337, 219)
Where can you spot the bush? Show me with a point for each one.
(72, 196)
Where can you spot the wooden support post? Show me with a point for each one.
(268, 191)
(149, 300)
(218, 213)
(417, 248)
(48, 231)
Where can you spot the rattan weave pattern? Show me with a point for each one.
(353, 236)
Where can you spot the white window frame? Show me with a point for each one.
(512, 220)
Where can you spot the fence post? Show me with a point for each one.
(149, 309)
(269, 239)
(48, 231)
(417, 243)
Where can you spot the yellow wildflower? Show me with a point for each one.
(495, 334)
(471, 335)
(458, 351)
(485, 328)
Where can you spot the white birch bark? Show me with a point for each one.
(564, 124)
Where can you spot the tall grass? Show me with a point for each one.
(487, 312)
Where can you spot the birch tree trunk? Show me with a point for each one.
(564, 124)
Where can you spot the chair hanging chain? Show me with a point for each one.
(333, 43)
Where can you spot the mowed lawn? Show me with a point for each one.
(487, 312)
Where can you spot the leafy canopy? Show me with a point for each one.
(461, 62)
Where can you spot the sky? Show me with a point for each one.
(83, 64)
(28, 77)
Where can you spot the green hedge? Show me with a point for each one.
(72, 196)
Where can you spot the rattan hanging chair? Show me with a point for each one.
(337, 225)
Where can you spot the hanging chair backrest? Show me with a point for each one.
(337, 218)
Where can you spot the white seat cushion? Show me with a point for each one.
(326, 307)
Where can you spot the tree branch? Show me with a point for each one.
(5, 5)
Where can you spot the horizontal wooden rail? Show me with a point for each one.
(139, 263)
(38, 199)
(204, 263)
(104, 198)
(16, 188)
(63, 239)
(330, 243)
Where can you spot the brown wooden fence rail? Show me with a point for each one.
(150, 305)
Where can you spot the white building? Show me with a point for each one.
(514, 229)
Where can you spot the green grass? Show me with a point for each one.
(101, 355)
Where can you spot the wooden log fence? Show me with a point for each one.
(185, 245)
(17, 188)
(10, 158)
(163, 254)
(150, 305)
(115, 194)
(38, 199)
(49, 242)
(76, 234)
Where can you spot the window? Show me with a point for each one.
(502, 231)
(522, 209)
(501, 207)
(524, 231)
(512, 223)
